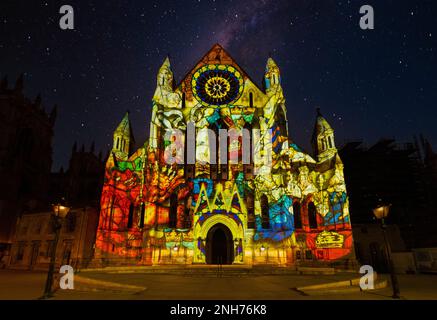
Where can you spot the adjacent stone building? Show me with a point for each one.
(26, 133)
(34, 240)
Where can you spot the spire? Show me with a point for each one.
(124, 126)
(166, 63)
(321, 125)
(271, 64)
(123, 138)
(323, 138)
(165, 75)
(272, 76)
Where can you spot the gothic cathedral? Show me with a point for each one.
(280, 206)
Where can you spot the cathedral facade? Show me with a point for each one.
(26, 138)
(214, 203)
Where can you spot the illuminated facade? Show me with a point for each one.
(211, 210)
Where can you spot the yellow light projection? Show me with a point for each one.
(289, 211)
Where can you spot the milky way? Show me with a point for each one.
(369, 84)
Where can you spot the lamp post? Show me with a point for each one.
(381, 213)
(60, 211)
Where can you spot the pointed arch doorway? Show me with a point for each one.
(219, 245)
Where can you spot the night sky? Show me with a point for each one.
(369, 84)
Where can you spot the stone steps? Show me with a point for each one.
(196, 270)
(214, 270)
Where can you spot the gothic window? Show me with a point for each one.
(312, 215)
(223, 153)
(251, 99)
(183, 100)
(142, 214)
(247, 140)
(297, 216)
(265, 212)
(250, 211)
(117, 145)
(190, 155)
(330, 142)
(280, 118)
(130, 219)
(323, 144)
(213, 141)
(187, 217)
(111, 212)
(173, 211)
(222, 159)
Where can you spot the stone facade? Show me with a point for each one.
(182, 198)
(33, 241)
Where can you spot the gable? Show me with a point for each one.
(217, 55)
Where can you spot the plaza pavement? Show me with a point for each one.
(29, 285)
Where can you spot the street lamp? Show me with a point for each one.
(60, 211)
(381, 213)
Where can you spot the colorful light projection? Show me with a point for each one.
(217, 85)
(153, 212)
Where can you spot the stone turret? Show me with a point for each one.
(123, 139)
(323, 139)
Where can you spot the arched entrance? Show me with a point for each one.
(219, 245)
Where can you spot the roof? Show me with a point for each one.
(321, 125)
(125, 126)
